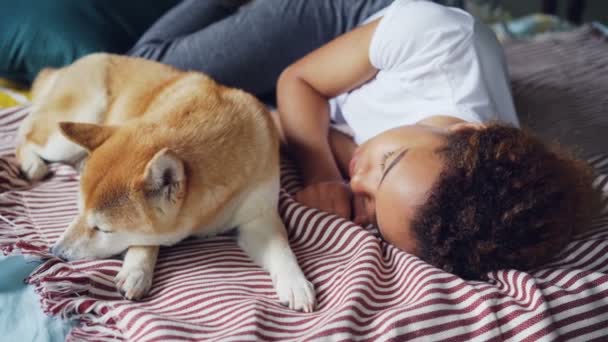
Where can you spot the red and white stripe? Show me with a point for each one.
(367, 290)
(210, 290)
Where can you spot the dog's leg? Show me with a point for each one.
(30, 162)
(265, 240)
(58, 149)
(135, 277)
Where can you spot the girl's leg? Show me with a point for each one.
(185, 18)
(251, 47)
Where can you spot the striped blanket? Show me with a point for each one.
(367, 290)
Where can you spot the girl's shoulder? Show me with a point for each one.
(423, 15)
(411, 28)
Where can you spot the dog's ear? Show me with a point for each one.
(165, 177)
(90, 136)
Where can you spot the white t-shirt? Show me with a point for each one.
(432, 60)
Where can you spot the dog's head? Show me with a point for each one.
(131, 192)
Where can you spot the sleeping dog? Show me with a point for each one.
(169, 154)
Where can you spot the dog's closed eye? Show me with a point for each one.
(100, 230)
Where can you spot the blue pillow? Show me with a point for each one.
(40, 33)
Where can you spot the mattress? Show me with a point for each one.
(208, 289)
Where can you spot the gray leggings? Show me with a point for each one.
(248, 47)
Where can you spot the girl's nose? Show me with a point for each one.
(363, 184)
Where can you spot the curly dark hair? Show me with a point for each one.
(503, 200)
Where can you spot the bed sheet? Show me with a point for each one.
(21, 318)
(367, 290)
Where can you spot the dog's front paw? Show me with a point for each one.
(34, 168)
(133, 283)
(296, 292)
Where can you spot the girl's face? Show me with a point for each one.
(392, 175)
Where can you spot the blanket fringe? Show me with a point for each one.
(64, 292)
(21, 237)
(12, 245)
(88, 331)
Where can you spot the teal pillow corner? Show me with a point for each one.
(41, 33)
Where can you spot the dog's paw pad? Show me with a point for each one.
(133, 284)
(297, 293)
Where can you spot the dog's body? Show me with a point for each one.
(170, 154)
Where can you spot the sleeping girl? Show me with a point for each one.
(399, 114)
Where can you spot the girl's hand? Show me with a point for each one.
(333, 197)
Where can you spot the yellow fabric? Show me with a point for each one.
(7, 101)
(12, 94)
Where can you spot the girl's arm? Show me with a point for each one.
(304, 89)
(342, 147)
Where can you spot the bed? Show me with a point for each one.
(367, 290)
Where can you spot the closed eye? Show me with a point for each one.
(392, 164)
(385, 157)
(100, 230)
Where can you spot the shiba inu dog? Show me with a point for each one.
(169, 154)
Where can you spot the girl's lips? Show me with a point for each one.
(363, 213)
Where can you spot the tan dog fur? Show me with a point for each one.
(170, 154)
